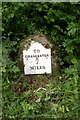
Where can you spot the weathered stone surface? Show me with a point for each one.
(25, 44)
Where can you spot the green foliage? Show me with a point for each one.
(60, 22)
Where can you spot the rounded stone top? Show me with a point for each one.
(38, 37)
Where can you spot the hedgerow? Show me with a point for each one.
(60, 23)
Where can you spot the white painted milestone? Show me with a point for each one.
(37, 59)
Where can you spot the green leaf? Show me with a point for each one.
(74, 61)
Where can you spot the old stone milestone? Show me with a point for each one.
(37, 57)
